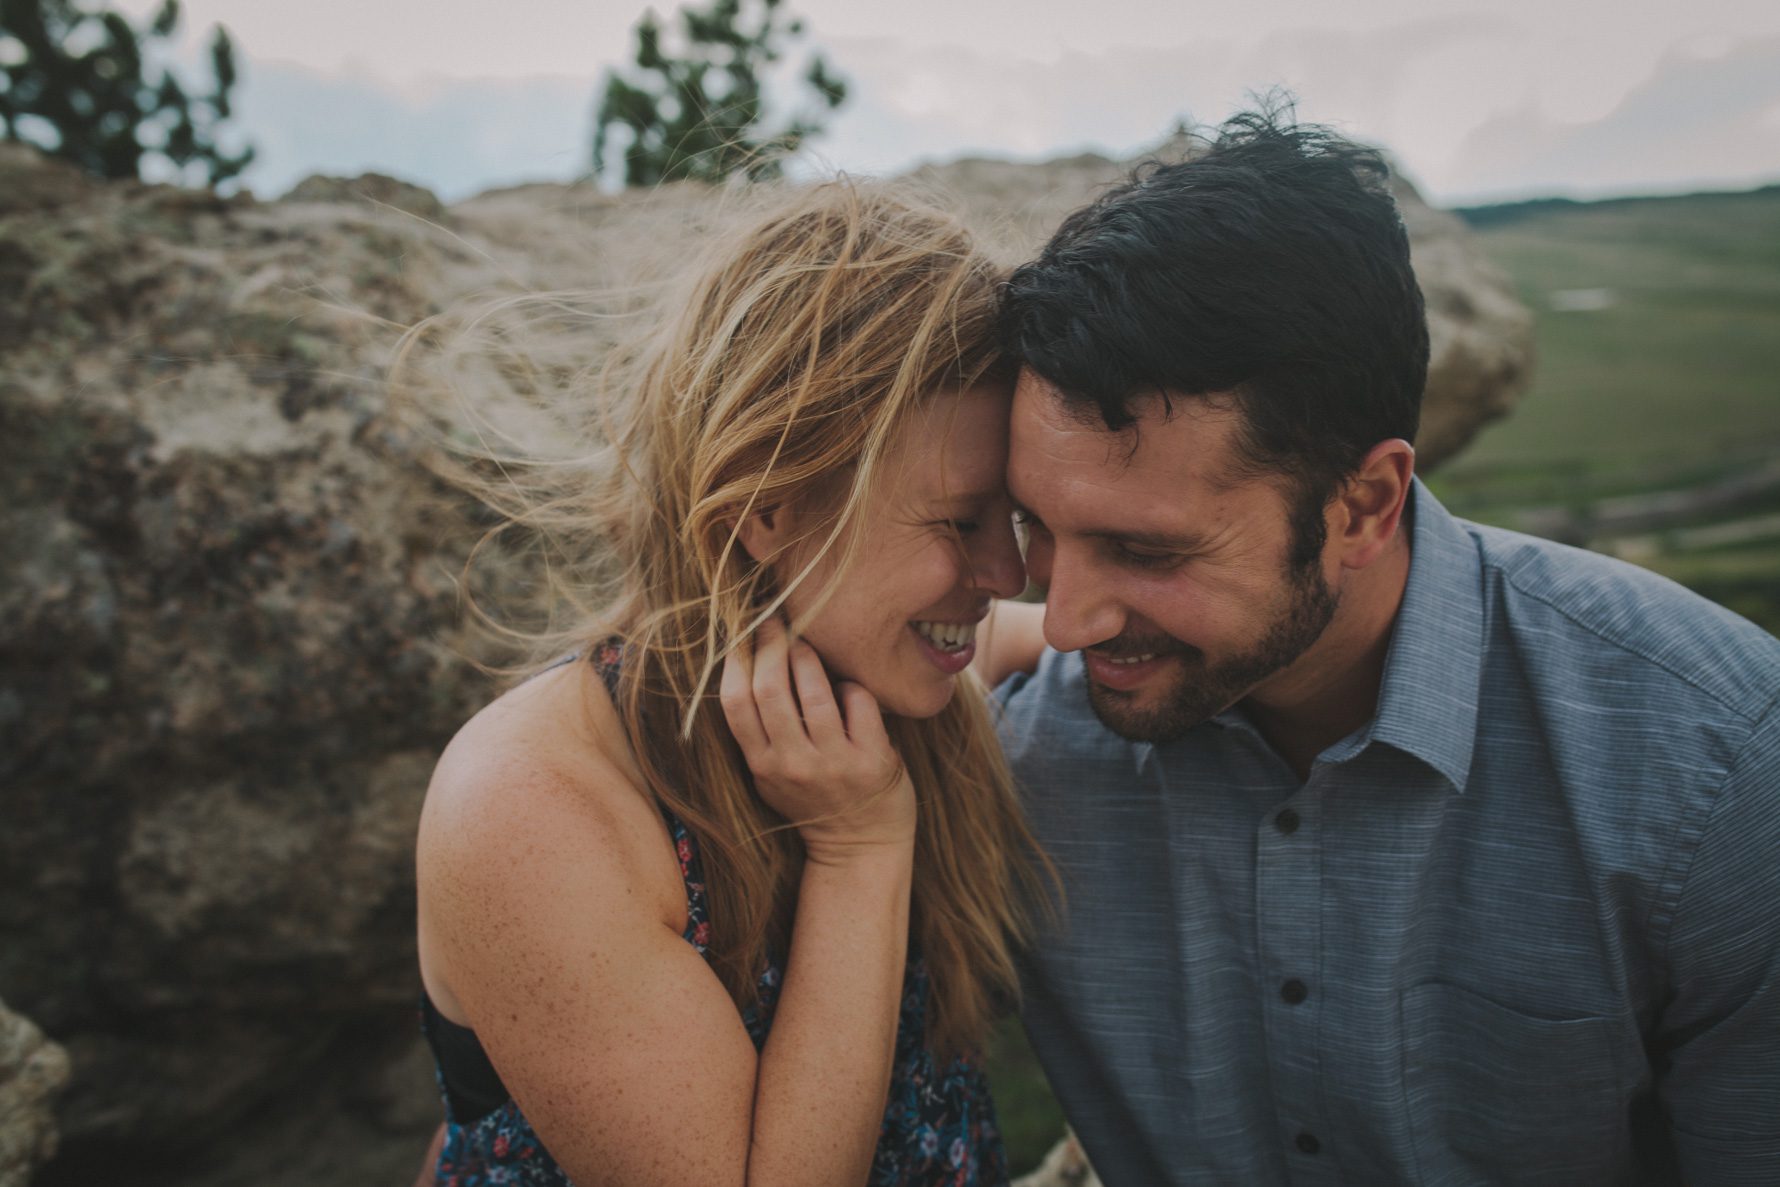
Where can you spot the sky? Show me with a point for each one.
(1475, 101)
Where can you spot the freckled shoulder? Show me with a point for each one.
(541, 781)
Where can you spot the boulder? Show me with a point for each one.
(231, 633)
(227, 658)
(33, 1072)
(376, 189)
(1480, 337)
(1066, 1165)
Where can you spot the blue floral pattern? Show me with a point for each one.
(939, 1125)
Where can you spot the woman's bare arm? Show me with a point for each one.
(621, 1046)
(429, 1164)
(821, 758)
(611, 1032)
(1010, 640)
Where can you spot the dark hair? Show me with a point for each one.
(1272, 266)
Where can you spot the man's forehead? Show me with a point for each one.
(1171, 438)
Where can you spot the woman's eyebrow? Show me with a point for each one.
(962, 498)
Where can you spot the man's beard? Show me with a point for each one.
(1201, 689)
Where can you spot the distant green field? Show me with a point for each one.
(1681, 367)
(1658, 328)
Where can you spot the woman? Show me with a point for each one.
(731, 898)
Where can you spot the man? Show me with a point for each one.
(1395, 848)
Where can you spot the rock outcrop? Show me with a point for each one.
(33, 1072)
(1065, 1166)
(230, 641)
(225, 645)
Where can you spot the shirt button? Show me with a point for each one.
(1286, 822)
(1294, 991)
(1307, 1142)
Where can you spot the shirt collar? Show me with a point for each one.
(1427, 702)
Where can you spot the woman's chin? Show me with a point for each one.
(917, 703)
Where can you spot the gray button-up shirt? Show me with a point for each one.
(1523, 927)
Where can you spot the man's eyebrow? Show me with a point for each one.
(1172, 541)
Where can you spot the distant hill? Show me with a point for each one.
(1500, 214)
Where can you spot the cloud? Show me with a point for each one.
(455, 137)
(1701, 120)
(1467, 103)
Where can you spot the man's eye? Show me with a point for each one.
(1026, 519)
(1148, 560)
(963, 527)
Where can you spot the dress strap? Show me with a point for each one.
(607, 658)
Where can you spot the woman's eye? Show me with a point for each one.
(963, 527)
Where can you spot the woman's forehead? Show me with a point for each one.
(954, 443)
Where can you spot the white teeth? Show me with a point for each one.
(948, 636)
(1132, 659)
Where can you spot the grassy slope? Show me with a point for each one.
(1681, 372)
(1674, 384)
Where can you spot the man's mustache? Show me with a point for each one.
(1129, 645)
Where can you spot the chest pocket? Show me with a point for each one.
(1498, 1096)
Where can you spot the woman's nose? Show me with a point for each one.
(996, 567)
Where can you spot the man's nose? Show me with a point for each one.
(1080, 610)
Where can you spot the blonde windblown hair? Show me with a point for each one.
(775, 374)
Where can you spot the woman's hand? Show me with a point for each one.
(821, 758)
(818, 752)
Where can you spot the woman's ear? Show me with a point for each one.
(763, 534)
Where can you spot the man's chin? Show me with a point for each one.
(1133, 727)
(1153, 715)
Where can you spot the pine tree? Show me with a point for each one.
(696, 109)
(75, 83)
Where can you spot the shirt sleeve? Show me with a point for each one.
(1718, 1044)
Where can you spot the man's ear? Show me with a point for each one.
(763, 534)
(1368, 507)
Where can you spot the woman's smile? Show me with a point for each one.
(950, 646)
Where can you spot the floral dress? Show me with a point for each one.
(938, 1129)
